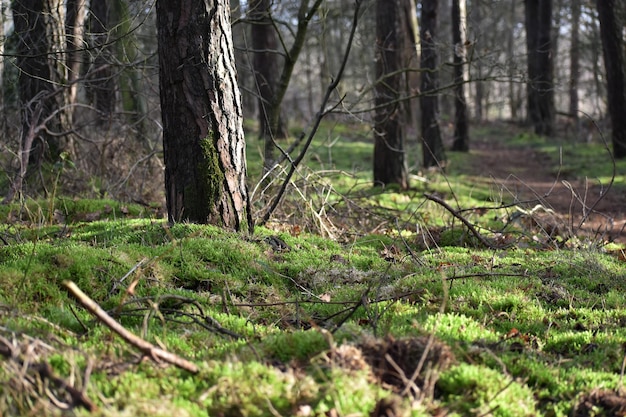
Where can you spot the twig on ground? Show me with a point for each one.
(146, 347)
(78, 397)
(463, 220)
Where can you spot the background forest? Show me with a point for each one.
(80, 82)
(433, 193)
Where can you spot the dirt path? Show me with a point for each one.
(525, 174)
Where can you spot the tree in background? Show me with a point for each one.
(270, 105)
(101, 80)
(432, 145)
(391, 117)
(461, 127)
(574, 58)
(613, 49)
(203, 140)
(40, 30)
(540, 86)
(74, 35)
(266, 66)
(243, 59)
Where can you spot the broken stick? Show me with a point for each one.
(144, 346)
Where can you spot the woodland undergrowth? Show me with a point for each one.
(457, 297)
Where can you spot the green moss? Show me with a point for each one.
(474, 390)
(203, 198)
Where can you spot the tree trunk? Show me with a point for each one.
(510, 51)
(243, 60)
(432, 145)
(574, 64)
(32, 24)
(266, 72)
(461, 128)
(391, 37)
(540, 88)
(74, 34)
(411, 62)
(613, 50)
(39, 26)
(101, 82)
(203, 140)
(479, 86)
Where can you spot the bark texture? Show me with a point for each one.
(203, 141)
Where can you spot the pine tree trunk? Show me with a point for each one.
(203, 141)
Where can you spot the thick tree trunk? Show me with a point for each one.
(391, 37)
(203, 141)
(432, 145)
(461, 128)
(540, 88)
(613, 50)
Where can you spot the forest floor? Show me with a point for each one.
(531, 174)
(404, 313)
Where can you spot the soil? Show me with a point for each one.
(529, 176)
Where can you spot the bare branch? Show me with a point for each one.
(144, 346)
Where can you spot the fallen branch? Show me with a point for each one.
(144, 346)
(463, 220)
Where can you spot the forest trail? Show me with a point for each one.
(529, 175)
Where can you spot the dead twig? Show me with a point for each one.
(45, 372)
(146, 347)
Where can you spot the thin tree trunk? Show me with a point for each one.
(513, 103)
(40, 27)
(574, 66)
(479, 92)
(391, 37)
(74, 33)
(540, 88)
(613, 49)
(574, 69)
(243, 61)
(101, 83)
(266, 63)
(432, 145)
(461, 128)
(203, 140)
